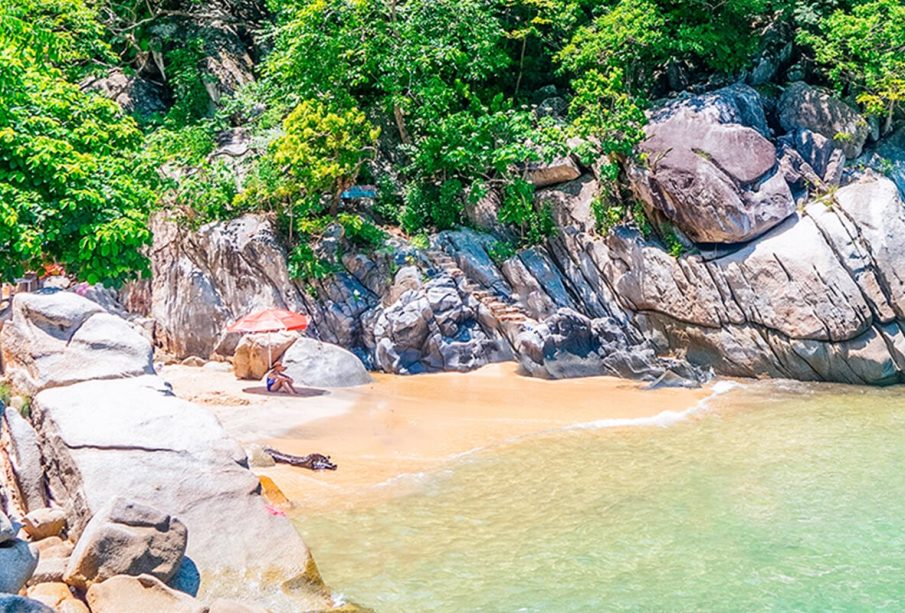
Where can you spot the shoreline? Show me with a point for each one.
(385, 435)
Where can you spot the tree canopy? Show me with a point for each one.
(437, 102)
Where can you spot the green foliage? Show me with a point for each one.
(607, 214)
(186, 81)
(360, 232)
(5, 393)
(318, 156)
(306, 265)
(69, 188)
(500, 251)
(863, 52)
(534, 221)
(420, 241)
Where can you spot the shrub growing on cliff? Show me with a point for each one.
(863, 53)
(318, 156)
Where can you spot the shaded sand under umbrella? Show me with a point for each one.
(269, 320)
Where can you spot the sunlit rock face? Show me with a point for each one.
(60, 338)
(709, 168)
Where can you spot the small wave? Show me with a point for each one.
(663, 419)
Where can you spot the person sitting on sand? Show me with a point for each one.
(277, 379)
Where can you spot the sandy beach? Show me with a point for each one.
(402, 426)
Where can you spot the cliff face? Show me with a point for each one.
(816, 292)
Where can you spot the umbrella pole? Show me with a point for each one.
(269, 353)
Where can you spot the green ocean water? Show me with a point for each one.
(775, 497)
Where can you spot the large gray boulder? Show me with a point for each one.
(202, 280)
(135, 95)
(820, 297)
(61, 338)
(432, 329)
(717, 182)
(318, 364)
(812, 108)
(127, 538)
(18, 561)
(134, 438)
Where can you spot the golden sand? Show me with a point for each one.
(384, 434)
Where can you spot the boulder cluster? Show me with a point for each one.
(114, 492)
(786, 207)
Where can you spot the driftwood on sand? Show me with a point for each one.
(312, 461)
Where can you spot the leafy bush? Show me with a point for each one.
(863, 53)
(70, 191)
(500, 251)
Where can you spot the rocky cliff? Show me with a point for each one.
(792, 264)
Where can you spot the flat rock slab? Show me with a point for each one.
(134, 438)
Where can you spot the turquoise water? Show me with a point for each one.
(779, 497)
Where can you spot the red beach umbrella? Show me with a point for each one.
(269, 320)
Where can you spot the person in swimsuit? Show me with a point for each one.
(277, 379)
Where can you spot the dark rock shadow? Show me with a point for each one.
(187, 579)
(303, 392)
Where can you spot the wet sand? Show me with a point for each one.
(389, 432)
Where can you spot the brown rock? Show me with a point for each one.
(72, 606)
(142, 594)
(255, 353)
(44, 523)
(51, 594)
(49, 570)
(54, 547)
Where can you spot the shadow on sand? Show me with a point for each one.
(303, 392)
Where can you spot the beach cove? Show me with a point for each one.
(747, 495)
